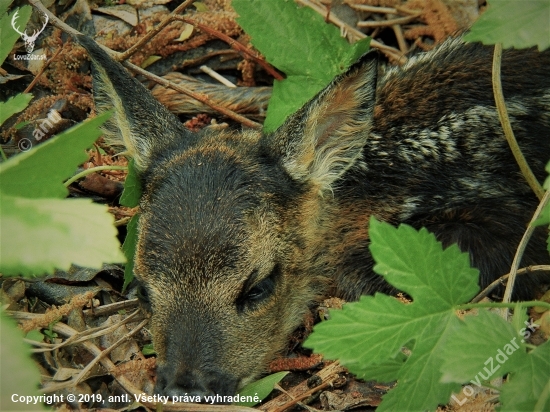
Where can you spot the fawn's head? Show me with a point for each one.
(230, 223)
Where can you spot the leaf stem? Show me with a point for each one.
(92, 170)
(502, 280)
(507, 128)
(513, 305)
(521, 248)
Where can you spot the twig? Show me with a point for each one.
(400, 38)
(197, 96)
(372, 9)
(501, 280)
(215, 75)
(500, 305)
(103, 354)
(382, 10)
(122, 222)
(165, 22)
(505, 122)
(282, 401)
(521, 248)
(111, 307)
(91, 170)
(88, 334)
(303, 396)
(384, 23)
(235, 45)
(44, 67)
(201, 98)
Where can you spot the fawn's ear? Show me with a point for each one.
(326, 136)
(143, 124)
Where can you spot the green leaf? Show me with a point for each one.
(498, 350)
(546, 184)
(372, 332)
(4, 7)
(36, 335)
(513, 23)
(313, 50)
(40, 235)
(8, 36)
(261, 388)
(544, 218)
(14, 105)
(387, 371)
(129, 249)
(40, 172)
(415, 262)
(18, 374)
(148, 349)
(132, 187)
(529, 385)
(285, 101)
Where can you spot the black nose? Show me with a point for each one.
(197, 387)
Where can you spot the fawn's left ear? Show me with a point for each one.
(326, 136)
(144, 125)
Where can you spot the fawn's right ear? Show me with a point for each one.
(139, 120)
(325, 138)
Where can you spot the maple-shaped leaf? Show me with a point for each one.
(372, 332)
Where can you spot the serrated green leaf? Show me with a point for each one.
(40, 235)
(387, 371)
(513, 23)
(373, 331)
(313, 50)
(261, 388)
(519, 318)
(18, 374)
(415, 262)
(129, 249)
(8, 36)
(14, 105)
(40, 172)
(524, 387)
(132, 187)
(484, 347)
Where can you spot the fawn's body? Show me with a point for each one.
(241, 232)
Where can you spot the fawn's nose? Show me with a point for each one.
(190, 386)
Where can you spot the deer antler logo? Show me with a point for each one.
(29, 40)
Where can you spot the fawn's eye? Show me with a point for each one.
(251, 296)
(261, 291)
